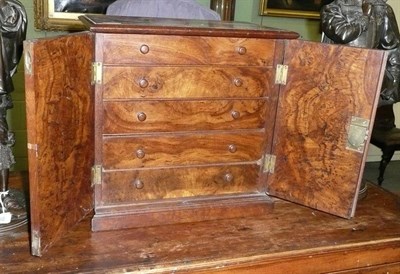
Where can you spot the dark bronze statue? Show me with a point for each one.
(13, 23)
(368, 24)
(391, 82)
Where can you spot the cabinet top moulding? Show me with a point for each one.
(164, 26)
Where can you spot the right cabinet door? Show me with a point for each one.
(324, 116)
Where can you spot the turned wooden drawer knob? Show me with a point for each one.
(242, 50)
(141, 116)
(232, 148)
(235, 114)
(140, 153)
(138, 184)
(238, 82)
(228, 177)
(144, 49)
(143, 83)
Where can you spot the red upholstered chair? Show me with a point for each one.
(386, 136)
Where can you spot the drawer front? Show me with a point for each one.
(170, 50)
(167, 116)
(181, 149)
(130, 186)
(186, 82)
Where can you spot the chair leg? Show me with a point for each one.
(387, 155)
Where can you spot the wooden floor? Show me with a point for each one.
(292, 239)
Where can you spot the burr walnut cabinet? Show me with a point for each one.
(158, 121)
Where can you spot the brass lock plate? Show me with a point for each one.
(357, 134)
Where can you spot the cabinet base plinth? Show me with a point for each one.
(183, 211)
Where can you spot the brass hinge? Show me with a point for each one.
(269, 163)
(96, 175)
(281, 74)
(97, 73)
(36, 243)
(28, 60)
(33, 147)
(357, 134)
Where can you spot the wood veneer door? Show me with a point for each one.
(59, 107)
(327, 85)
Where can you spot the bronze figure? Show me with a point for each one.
(13, 23)
(367, 24)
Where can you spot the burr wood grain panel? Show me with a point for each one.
(172, 115)
(182, 149)
(186, 82)
(314, 164)
(168, 183)
(60, 119)
(181, 50)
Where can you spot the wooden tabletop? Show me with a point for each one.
(292, 239)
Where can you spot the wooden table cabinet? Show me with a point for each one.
(171, 121)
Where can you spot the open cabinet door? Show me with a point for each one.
(324, 114)
(59, 106)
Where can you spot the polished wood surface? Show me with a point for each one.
(59, 107)
(181, 27)
(188, 82)
(186, 50)
(161, 116)
(291, 239)
(182, 149)
(119, 187)
(314, 164)
(177, 118)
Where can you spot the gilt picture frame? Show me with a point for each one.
(293, 8)
(57, 15)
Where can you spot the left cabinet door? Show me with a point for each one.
(60, 125)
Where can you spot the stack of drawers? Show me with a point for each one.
(182, 125)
